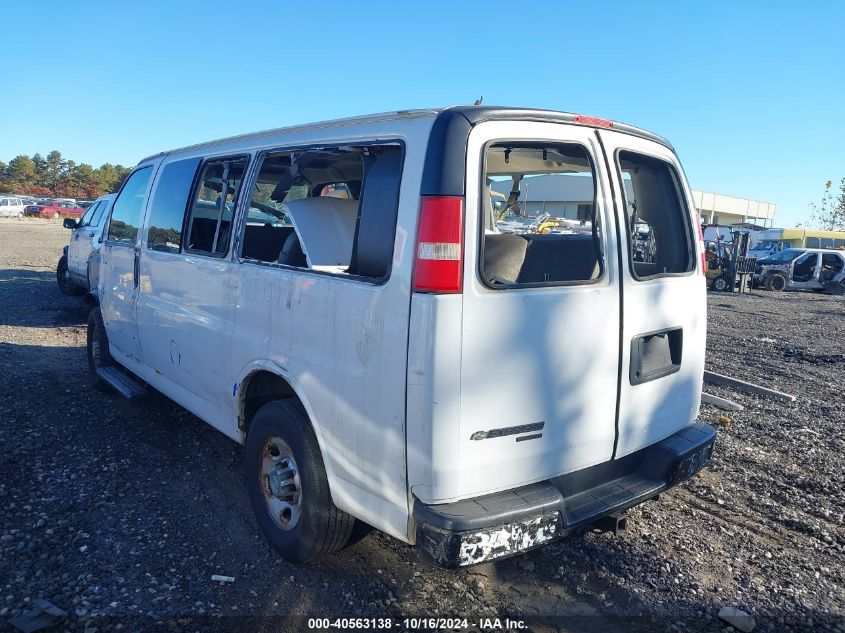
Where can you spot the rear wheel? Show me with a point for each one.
(98, 350)
(288, 487)
(775, 282)
(55, 215)
(63, 279)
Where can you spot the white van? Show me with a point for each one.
(341, 299)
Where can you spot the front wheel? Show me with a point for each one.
(775, 282)
(98, 350)
(288, 487)
(66, 285)
(55, 215)
(720, 284)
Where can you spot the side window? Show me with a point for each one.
(659, 233)
(213, 205)
(301, 214)
(168, 205)
(547, 230)
(97, 219)
(4, 202)
(129, 207)
(89, 214)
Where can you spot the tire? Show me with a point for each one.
(56, 215)
(304, 524)
(66, 286)
(719, 284)
(776, 282)
(98, 350)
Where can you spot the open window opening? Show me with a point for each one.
(330, 209)
(660, 239)
(538, 207)
(213, 206)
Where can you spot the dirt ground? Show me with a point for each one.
(119, 512)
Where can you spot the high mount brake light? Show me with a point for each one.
(595, 121)
(439, 266)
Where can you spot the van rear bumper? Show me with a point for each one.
(506, 523)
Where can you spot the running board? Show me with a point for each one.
(121, 382)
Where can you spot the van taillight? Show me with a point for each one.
(703, 248)
(440, 245)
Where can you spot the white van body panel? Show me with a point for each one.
(654, 410)
(342, 342)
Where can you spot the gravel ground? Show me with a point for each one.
(120, 512)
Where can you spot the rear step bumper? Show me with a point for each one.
(506, 523)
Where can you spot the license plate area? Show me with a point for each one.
(693, 462)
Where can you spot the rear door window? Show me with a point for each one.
(544, 230)
(660, 238)
(128, 209)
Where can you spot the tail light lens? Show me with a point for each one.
(439, 261)
(703, 249)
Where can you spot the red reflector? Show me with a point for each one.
(703, 249)
(584, 119)
(439, 249)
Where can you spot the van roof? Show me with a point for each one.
(471, 114)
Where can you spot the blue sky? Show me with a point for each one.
(750, 93)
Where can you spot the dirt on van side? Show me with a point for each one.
(120, 513)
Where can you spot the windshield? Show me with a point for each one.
(766, 245)
(785, 256)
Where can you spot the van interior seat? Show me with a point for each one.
(264, 242)
(291, 253)
(535, 258)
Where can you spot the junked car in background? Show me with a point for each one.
(77, 269)
(800, 269)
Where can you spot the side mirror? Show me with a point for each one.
(70, 223)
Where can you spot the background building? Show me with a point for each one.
(563, 195)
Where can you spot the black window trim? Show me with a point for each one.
(688, 219)
(236, 203)
(253, 177)
(540, 284)
(125, 243)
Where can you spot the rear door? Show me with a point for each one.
(664, 293)
(541, 304)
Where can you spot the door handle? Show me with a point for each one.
(136, 269)
(656, 354)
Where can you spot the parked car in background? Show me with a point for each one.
(395, 356)
(77, 269)
(85, 204)
(800, 269)
(11, 207)
(56, 209)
